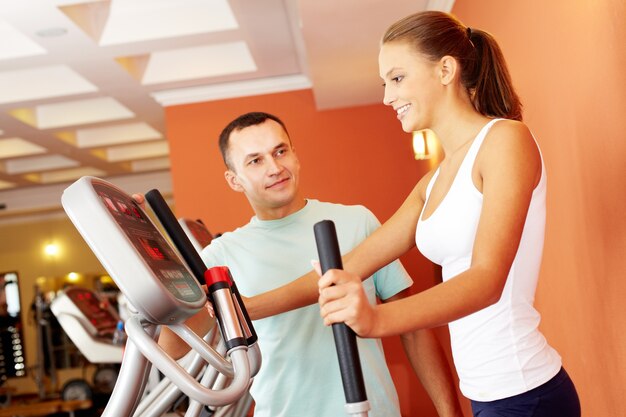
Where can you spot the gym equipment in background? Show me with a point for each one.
(197, 233)
(88, 323)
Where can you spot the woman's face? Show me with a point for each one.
(411, 82)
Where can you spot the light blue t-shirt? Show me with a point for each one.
(300, 372)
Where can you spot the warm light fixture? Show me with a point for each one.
(73, 277)
(51, 249)
(420, 145)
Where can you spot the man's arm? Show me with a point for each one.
(298, 293)
(429, 362)
(200, 323)
(394, 238)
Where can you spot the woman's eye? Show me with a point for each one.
(397, 79)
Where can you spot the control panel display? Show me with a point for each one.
(153, 249)
(151, 246)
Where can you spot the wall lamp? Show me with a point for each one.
(420, 145)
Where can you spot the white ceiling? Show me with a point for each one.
(83, 83)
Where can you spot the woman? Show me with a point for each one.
(480, 215)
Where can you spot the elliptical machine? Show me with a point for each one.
(163, 290)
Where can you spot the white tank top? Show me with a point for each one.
(498, 351)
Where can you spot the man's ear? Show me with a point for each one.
(448, 68)
(233, 181)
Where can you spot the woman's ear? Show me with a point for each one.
(233, 181)
(448, 67)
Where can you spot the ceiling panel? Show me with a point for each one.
(15, 44)
(150, 164)
(12, 147)
(199, 62)
(135, 151)
(37, 163)
(5, 184)
(65, 175)
(111, 135)
(71, 113)
(42, 82)
(141, 20)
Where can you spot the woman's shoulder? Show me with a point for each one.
(510, 137)
(511, 127)
(509, 144)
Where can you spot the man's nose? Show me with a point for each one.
(273, 166)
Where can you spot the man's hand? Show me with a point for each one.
(140, 199)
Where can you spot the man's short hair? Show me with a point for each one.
(241, 122)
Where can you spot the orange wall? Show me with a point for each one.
(567, 59)
(353, 156)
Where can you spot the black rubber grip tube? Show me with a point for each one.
(345, 338)
(176, 233)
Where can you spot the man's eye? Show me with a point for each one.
(397, 79)
(281, 151)
(254, 161)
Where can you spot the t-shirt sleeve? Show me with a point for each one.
(393, 278)
(211, 255)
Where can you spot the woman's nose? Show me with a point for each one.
(388, 98)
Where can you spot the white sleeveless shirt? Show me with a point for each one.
(498, 351)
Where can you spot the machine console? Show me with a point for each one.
(162, 288)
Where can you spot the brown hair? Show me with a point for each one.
(240, 123)
(483, 69)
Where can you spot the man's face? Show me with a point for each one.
(265, 167)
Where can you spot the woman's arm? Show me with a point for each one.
(390, 241)
(509, 168)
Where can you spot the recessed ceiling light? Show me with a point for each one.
(51, 32)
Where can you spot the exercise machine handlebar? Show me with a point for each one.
(345, 338)
(223, 293)
(176, 233)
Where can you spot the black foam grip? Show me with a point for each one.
(345, 338)
(177, 234)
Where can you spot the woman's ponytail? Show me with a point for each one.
(491, 88)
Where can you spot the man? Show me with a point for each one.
(300, 374)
